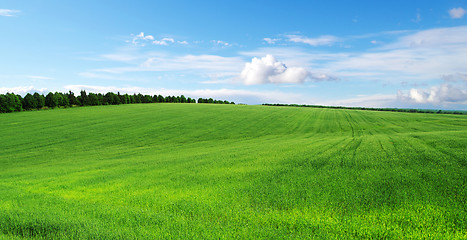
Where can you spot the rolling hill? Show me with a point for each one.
(201, 171)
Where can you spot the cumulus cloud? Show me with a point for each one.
(443, 94)
(269, 70)
(23, 90)
(8, 12)
(457, 13)
(322, 40)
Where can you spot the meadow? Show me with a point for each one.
(201, 171)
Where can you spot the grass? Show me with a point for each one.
(199, 171)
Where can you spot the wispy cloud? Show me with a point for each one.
(164, 41)
(457, 13)
(322, 40)
(271, 40)
(413, 56)
(222, 44)
(203, 64)
(141, 40)
(9, 12)
(40, 78)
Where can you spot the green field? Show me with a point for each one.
(200, 171)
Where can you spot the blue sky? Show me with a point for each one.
(350, 53)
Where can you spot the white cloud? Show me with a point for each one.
(271, 40)
(141, 38)
(424, 55)
(457, 13)
(202, 64)
(23, 90)
(209, 63)
(164, 41)
(269, 70)
(322, 40)
(221, 44)
(8, 12)
(432, 38)
(443, 94)
(40, 78)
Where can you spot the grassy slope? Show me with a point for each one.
(218, 171)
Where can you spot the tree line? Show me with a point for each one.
(409, 110)
(11, 102)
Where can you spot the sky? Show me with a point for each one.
(405, 54)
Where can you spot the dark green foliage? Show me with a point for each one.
(93, 100)
(210, 100)
(10, 103)
(83, 98)
(71, 98)
(29, 102)
(51, 100)
(14, 103)
(40, 100)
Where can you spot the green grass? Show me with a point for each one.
(198, 171)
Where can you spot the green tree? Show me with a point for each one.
(40, 100)
(10, 103)
(29, 102)
(93, 100)
(51, 100)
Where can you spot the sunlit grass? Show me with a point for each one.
(229, 171)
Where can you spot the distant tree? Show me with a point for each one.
(40, 100)
(147, 99)
(71, 98)
(83, 98)
(131, 99)
(100, 98)
(10, 103)
(127, 99)
(60, 100)
(115, 99)
(124, 99)
(160, 99)
(93, 100)
(51, 100)
(29, 102)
